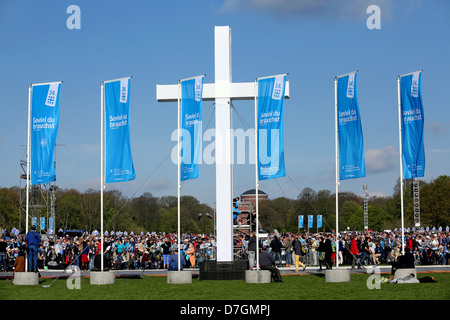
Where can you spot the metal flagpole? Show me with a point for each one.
(179, 171)
(401, 162)
(337, 163)
(179, 165)
(30, 92)
(102, 161)
(336, 134)
(102, 109)
(256, 174)
(401, 155)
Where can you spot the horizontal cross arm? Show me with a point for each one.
(212, 91)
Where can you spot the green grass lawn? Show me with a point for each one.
(295, 287)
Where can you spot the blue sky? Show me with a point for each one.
(159, 42)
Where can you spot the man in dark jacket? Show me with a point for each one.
(328, 251)
(275, 246)
(266, 262)
(3, 246)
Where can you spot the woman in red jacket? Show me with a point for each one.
(355, 252)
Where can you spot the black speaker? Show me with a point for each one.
(223, 270)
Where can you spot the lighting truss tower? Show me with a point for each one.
(416, 201)
(42, 201)
(366, 207)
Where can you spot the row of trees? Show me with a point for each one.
(80, 210)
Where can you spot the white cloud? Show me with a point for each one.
(343, 9)
(436, 129)
(379, 160)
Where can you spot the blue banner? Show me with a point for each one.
(350, 136)
(270, 127)
(412, 120)
(191, 129)
(300, 222)
(51, 225)
(44, 130)
(310, 221)
(119, 162)
(319, 221)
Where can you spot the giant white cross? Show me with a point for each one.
(222, 91)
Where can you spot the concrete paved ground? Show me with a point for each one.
(196, 271)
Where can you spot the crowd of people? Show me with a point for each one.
(122, 251)
(153, 250)
(356, 249)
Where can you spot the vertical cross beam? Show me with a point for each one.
(222, 92)
(224, 169)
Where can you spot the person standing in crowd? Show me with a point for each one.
(244, 246)
(19, 263)
(191, 253)
(321, 252)
(298, 252)
(288, 249)
(121, 261)
(85, 256)
(366, 253)
(173, 261)
(165, 247)
(252, 250)
(33, 240)
(275, 246)
(3, 246)
(340, 251)
(355, 252)
(328, 251)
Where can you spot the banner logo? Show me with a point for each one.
(351, 86)
(415, 85)
(52, 95)
(198, 88)
(278, 88)
(123, 91)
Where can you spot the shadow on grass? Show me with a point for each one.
(319, 274)
(129, 277)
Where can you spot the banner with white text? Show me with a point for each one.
(300, 221)
(310, 221)
(350, 135)
(191, 129)
(412, 120)
(270, 127)
(119, 162)
(44, 130)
